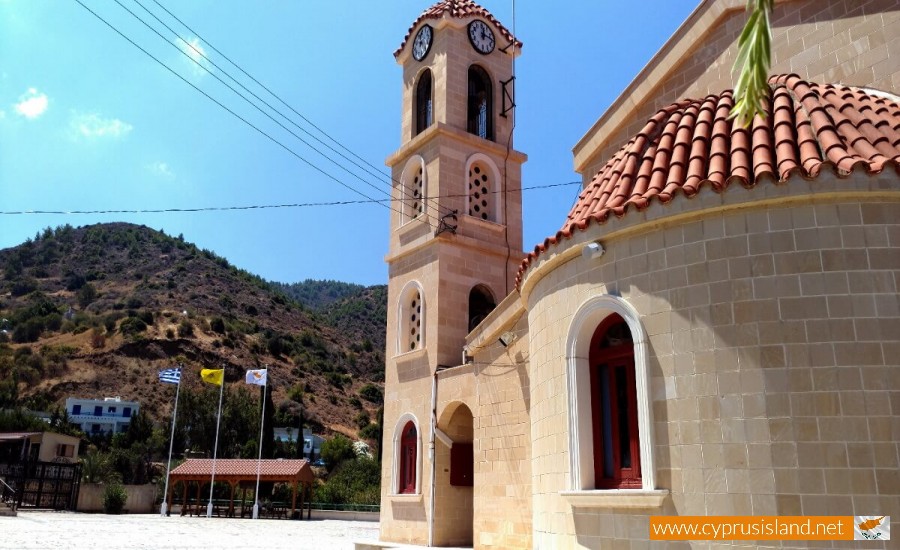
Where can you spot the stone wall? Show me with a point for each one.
(141, 498)
(772, 335)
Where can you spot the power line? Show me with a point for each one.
(273, 94)
(199, 52)
(220, 104)
(247, 207)
(245, 98)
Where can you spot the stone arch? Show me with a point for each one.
(481, 304)
(412, 190)
(482, 188)
(397, 447)
(411, 318)
(581, 330)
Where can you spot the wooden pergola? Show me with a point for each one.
(238, 471)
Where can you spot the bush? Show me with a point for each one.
(86, 294)
(185, 329)
(132, 325)
(362, 419)
(23, 287)
(98, 339)
(356, 481)
(217, 325)
(372, 432)
(114, 497)
(337, 450)
(29, 331)
(371, 392)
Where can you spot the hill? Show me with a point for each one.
(97, 311)
(319, 295)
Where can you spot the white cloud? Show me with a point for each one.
(93, 126)
(195, 51)
(161, 169)
(32, 103)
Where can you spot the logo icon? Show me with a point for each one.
(872, 527)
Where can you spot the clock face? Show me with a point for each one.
(481, 37)
(422, 43)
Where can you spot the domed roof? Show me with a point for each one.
(459, 9)
(693, 143)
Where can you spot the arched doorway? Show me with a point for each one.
(454, 480)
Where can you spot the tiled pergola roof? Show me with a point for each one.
(235, 469)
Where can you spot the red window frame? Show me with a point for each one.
(408, 449)
(617, 451)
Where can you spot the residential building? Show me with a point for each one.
(312, 444)
(17, 447)
(712, 331)
(107, 415)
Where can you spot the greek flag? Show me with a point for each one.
(170, 376)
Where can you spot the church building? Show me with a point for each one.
(715, 328)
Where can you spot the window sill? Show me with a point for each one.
(410, 355)
(405, 497)
(490, 225)
(616, 498)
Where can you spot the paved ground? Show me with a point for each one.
(73, 531)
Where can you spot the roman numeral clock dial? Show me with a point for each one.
(481, 36)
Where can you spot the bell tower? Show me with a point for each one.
(455, 233)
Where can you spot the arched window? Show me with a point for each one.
(481, 303)
(610, 418)
(409, 442)
(617, 451)
(406, 466)
(412, 194)
(480, 119)
(423, 102)
(483, 179)
(412, 319)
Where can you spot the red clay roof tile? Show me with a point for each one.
(692, 143)
(240, 467)
(459, 9)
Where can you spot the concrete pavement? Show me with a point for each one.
(40, 530)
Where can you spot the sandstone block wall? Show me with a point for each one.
(774, 350)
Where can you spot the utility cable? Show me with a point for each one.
(245, 98)
(273, 94)
(381, 173)
(247, 207)
(233, 113)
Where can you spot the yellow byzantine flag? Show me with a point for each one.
(213, 376)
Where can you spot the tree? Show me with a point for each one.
(336, 450)
(356, 481)
(86, 295)
(753, 61)
(94, 466)
(268, 438)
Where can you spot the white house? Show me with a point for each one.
(312, 444)
(107, 415)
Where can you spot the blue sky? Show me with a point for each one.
(89, 122)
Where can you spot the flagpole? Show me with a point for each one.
(262, 419)
(164, 506)
(209, 507)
